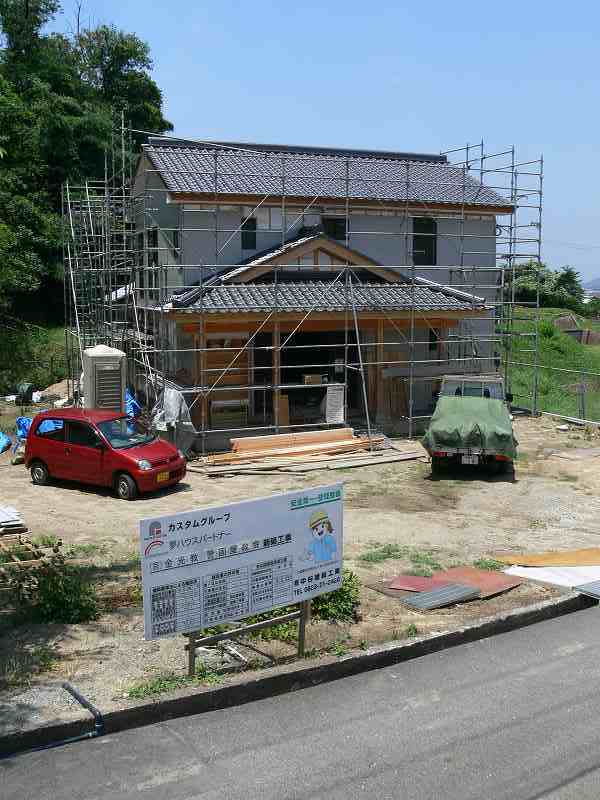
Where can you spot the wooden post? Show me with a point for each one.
(380, 356)
(276, 373)
(302, 623)
(203, 400)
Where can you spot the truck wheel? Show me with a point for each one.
(126, 487)
(39, 473)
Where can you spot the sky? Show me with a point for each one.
(422, 77)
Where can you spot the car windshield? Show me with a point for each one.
(492, 390)
(125, 432)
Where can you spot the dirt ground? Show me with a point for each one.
(552, 503)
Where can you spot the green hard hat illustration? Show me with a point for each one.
(318, 516)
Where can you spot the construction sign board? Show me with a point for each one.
(216, 565)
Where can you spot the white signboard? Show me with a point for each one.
(205, 567)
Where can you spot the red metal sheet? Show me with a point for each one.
(414, 583)
(488, 582)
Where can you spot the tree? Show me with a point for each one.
(557, 288)
(59, 98)
(116, 65)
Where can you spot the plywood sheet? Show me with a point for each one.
(589, 556)
(558, 576)
(488, 582)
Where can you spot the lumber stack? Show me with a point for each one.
(11, 522)
(340, 441)
(21, 561)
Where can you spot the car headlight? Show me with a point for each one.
(180, 454)
(144, 464)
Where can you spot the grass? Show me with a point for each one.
(384, 552)
(423, 562)
(411, 631)
(556, 390)
(161, 684)
(85, 549)
(17, 668)
(490, 564)
(339, 648)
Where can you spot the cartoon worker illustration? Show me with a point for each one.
(323, 546)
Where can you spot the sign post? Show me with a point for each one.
(218, 565)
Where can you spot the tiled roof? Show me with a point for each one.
(332, 296)
(186, 167)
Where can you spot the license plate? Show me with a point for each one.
(162, 476)
(470, 460)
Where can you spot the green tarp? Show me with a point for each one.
(471, 422)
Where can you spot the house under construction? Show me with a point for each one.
(273, 288)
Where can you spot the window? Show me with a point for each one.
(335, 228)
(434, 340)
(52, 429)
(249, 234)
(82, 434)
(424, 241)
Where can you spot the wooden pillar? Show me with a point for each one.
(204, 423)
(276, 374)
(380, 356)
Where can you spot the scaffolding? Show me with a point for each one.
(128, 272)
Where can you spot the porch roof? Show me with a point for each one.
(320, 296)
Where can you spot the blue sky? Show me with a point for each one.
(424, 77)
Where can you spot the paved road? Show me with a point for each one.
(515, 717)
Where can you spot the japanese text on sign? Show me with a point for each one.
(210, 566)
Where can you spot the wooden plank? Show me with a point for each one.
(279, 440)
(585, 557)
(357, 444)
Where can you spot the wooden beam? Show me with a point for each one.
(423, 209)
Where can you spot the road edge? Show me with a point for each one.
(285, 678)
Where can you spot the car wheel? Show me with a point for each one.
(39, 473)
(126, 487)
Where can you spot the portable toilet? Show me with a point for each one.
(104, 378)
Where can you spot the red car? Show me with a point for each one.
(101, 448)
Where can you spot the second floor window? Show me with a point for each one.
(335, 228)
(424, 241)
(249, 234)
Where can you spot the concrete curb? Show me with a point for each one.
(291, 677)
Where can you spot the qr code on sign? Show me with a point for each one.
(164, 610)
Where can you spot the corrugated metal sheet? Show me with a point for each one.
(414, 583)
(438, 598)
(590, 589)
(489, 583)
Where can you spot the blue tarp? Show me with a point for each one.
(23, 425)
(132, 407)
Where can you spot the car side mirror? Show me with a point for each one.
(509, 397)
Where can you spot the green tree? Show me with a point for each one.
(59, 98)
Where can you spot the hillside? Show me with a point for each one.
(558, 353)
